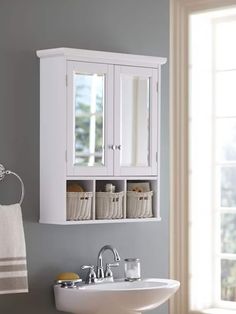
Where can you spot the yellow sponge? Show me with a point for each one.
(67, 276)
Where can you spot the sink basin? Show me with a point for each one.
(118, 297)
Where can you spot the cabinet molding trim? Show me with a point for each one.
(102, 56)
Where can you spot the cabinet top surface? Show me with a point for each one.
(100, 56)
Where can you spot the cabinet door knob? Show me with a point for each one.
(113, 147)
(118, 147)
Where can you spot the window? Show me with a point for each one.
(212, 160)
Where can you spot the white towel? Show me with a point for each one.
(13, 270)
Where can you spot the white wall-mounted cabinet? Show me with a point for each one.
(99, 121)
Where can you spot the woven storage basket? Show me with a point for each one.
(139, 204)
(79, 205)
(109, 205)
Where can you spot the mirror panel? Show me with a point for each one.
(135, 129)
(89, 91)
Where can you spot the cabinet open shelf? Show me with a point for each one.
(97, 187)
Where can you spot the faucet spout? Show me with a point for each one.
(100, 271)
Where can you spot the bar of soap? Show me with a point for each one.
(67, 276)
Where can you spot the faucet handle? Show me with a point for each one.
(112, 265)
(87, 267)
(91, 277)
(108, 272)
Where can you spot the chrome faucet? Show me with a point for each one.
(100, 270)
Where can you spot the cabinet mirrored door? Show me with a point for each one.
(89, 95)
(136, 121)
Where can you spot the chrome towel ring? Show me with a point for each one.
(4, 172)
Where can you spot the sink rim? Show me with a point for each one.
(128, 286)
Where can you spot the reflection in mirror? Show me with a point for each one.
(135, 99)
(89, 119)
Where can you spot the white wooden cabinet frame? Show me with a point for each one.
(56, 128)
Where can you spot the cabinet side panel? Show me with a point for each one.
(52, 140)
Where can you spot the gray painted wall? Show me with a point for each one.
(129, 26)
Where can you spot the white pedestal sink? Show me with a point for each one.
(118, 297)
